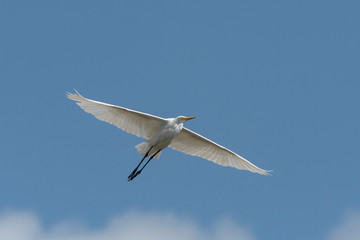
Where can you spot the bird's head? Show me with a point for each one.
(182, 119)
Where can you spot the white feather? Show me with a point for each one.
(134, 122)
(194, 144)
(161, 132)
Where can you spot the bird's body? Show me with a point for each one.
(161, 133)
(162, 138)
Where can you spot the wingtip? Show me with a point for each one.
(267, 172)
(77, 92)
(74, 96)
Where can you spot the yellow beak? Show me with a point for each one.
(188, 118)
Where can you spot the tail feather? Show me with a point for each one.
(144, 147)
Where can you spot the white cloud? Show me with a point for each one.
(348, 229)
(27, 226)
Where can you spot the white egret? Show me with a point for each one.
(161, 133)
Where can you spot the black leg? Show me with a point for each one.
(138, 172)
(130, 177)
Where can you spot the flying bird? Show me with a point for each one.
(161, 133)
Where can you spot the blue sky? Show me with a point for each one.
(277, 82)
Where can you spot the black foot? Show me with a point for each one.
(136, 172)
(132, 176)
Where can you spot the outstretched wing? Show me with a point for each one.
(194, 144)
(140, 124)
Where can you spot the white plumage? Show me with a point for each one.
(161, 133)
